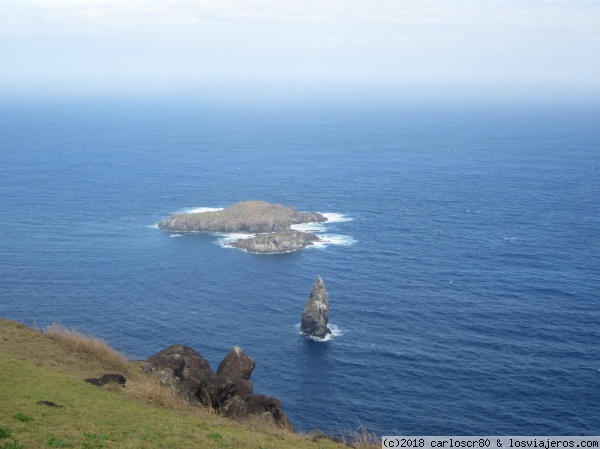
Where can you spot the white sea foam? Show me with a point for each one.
(327, 239)
(309, 227)
(332, 217)
(176, 235)
(335, 332)
(334, 239)
(197, 210)
(225, 239)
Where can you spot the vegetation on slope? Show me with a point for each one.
(245, 216)
(52, 365)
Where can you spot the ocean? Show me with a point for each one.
(462, 260)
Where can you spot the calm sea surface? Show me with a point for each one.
(463, 264)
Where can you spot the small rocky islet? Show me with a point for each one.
(271, 225)
(315, 316)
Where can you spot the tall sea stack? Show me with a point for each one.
(316, 312)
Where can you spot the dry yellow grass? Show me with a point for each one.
(92, 347)
(362, 438)
(148, 389)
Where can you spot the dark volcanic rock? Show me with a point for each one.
(234, 408)
(277, 242)
(184, 368)
(266, 407)
(228, 391)
(107, 379)
(211, 389)
(176, 362)
(236, 365)
(243, 387)
(246, 216)
(316, 311)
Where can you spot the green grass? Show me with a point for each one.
(21, 417)
(4, 433)
(245, 209)
(35, 367)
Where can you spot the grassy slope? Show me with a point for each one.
(34, 367)
(249, 210)
(244, 211)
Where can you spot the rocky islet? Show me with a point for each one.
(271, 224)
(315, 316)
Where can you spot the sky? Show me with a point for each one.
(78, 47)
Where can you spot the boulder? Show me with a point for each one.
(236, 365)
(234, 408)
(256, 406)
(176, 363)
(211, 389)
(316, 312)
(186, 370)
(244, 388)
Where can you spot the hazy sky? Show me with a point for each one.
(97, 46)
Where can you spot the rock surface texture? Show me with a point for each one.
(277, 242)
(264, 407)
(316, 312)
(227, 391)
(236, 365)
(175, 363)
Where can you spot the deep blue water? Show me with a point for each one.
(465, 288)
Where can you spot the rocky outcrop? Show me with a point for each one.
(236, 365)
(209, 388)
(228, 391)
(246, 216)
(176, 363)
(264, 407)
(277, 242)
(316, 312)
